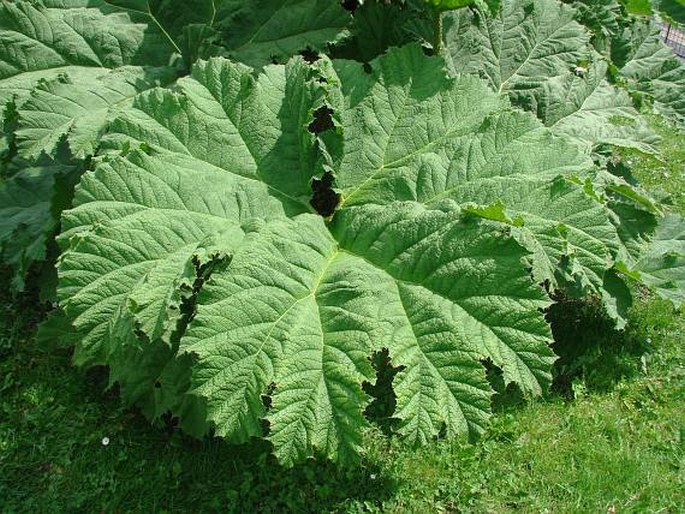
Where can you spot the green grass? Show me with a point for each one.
(624, 447)
(664, 177)
(639, 7)
(610, 439)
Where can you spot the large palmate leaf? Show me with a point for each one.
(257, 129)
(540, 57)
(256, 32)
(413, 135)
(651, 68)
(79, 110)
(294, 308)
(30, 204)
(303, 311)
(39, 43)
(662, 263)
(589, 109)
(108, 239)
(224, 117)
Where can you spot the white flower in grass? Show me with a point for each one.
(105, 441)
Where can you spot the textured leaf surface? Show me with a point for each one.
(256, 32)
(139, 227)
(293, 310)
(591, 110)
(223, 116)
(79, 110)
(259, 31)
(662, 264)
(195, 266)
(523, 46)
(430, 144)
(297, 310)
(39, 43)
(652, 69)
(604, 18)
(29, 214)
(239, 153)
(536, 54)
(452, 280)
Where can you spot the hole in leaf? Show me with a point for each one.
(349, 5)
(506, 396)
(188, 306)
(309, 55)
(266, 426)
(592, 353)
(170, 421)
(158, 385)
(267, 399)
(323, 120)
(384, 402)
(325, 199)
(428, 51)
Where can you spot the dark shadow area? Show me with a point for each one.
(382, 407)
(379, 25)
(323, 120)
(74, 448)
(350, 5)
(507, 397)
(590, 348)
(324, 199)
(310, 55)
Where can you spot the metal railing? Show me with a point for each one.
(674, 38)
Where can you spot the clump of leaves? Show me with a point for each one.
(249, 236)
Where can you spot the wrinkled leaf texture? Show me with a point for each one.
(196, 268)
(67, 66)
(448, 199)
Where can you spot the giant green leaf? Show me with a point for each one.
(39, 43)
(214, 178)
(79, 110)
(411, 134)
(257, 128)
(653, 70)
(223, 116)
(303, 309)
(540, 57)
(256, 32)
(117, 275)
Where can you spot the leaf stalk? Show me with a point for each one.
(437, 31)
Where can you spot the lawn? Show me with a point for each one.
(609, 438)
